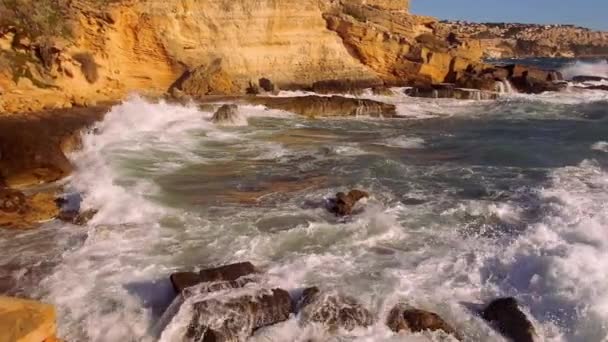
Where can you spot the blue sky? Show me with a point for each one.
(587, 13)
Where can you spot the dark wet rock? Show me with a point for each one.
(451, 91)
(585, 78)
(76, 217)
(33, 147)
(319, 106)
(266, 85)
(342, 204)
(333, 310)
(227, 114)
(383, 91)
(235, 319)
(532, 80)
(507, 317)
(405, 318)
(227, 273)
(597, 87)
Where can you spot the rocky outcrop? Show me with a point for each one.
(235, 319)
(508, 318)
(21, 211)
(313, 106)
(402, 49)
(505, 40)
(405, 318)
(228, 114)
(333, 310)
(33, 147)
(227, 273)
(26, 321)
(343, 204)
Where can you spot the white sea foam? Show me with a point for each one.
(581, 68)
(600, 146)
(404, 141)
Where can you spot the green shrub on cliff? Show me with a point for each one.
(35, 19)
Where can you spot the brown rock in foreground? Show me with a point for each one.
(26, 321)
(343, 204)
(227, 273)
(508, 318)
(21, 211)
(227, 114)
(33, 147)
(235, 319)
(333, 310)
(405, 318)
(327, 106)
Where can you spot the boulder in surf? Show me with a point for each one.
(235, 319)
(226, 273)
(342, 204)
(333, 310)
(506, 315)
(405, 318)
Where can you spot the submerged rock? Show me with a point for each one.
(508, 318)
(228, 114)
(405, 318)
(333, 310)
(319, 106)
(343, 204)
(235, 319)
(227, 273)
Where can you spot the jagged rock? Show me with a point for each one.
(235, 319)
(508, 318)
(333, 310)
(205, 80)
(228, 114)
(266, 85)
(319, 106)
(343, 204)
(232, 272)
(26, 321)
(597, 87)
(405, 318)
(76, 217)
(582, 78)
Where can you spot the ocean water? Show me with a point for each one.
(471, 200)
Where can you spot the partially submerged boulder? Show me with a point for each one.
(227, 273)
(235, 319)
(333, 310)
(587, 78)
(24, 320)
(405, 318)
(342, 204)
(510, 320)
(325, 106)
(228, 114)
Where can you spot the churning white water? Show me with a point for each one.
(581, 68)
(470, 201)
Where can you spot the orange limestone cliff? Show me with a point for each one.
(149, 46)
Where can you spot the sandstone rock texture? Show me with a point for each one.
(505, 40)
(222, 47)
(26, 321)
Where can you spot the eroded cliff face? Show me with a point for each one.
(505, 40)
(147, 45)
